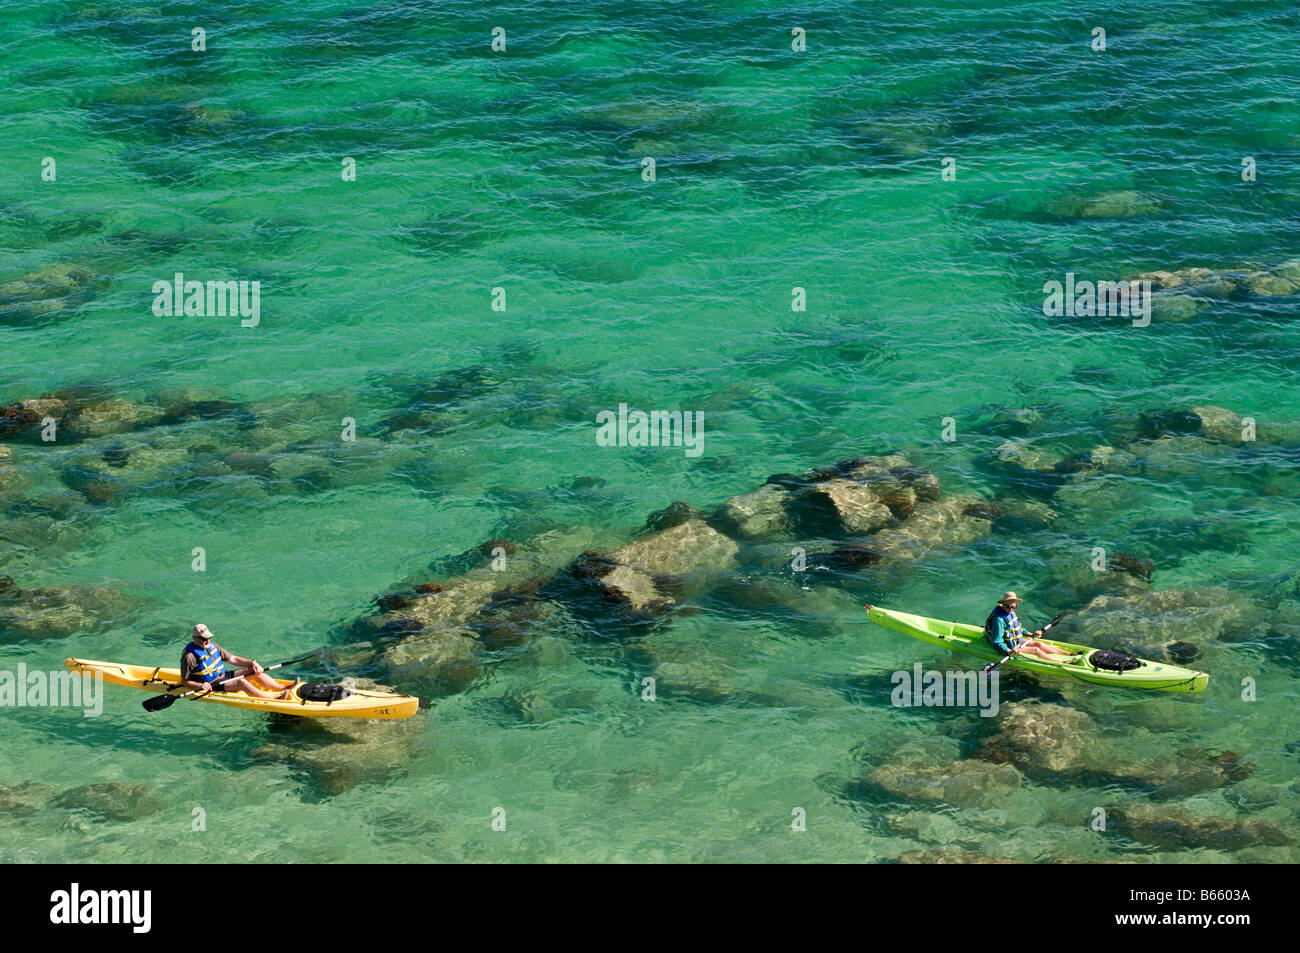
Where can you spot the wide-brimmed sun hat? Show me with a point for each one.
(1009, 597)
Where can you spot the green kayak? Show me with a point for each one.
(969, 639)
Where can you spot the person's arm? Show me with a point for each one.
(1001, 641)
(240, 661)
(235, 660)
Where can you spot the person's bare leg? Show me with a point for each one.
(1045, 647)
(1037, 652)
(266, 681)
(242, 684)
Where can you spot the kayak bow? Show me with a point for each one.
(969, 640)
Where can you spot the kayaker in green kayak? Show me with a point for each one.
(203, 663)
(1002, 629)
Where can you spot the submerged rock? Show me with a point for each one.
(952, 521)
(1171, 828)
(337, 754)
(928, 749)
(1044, 740)
(856, 496)
(674, 514)
(682, 672)
(406, 613)
(642, 569)
(762, 592)
(1019, 454)
(635, 589)
(1049, 742)
(426, 402)
(1168, 423)
(187, 410)
(1206, 281)
(1177, 307)
(1025, 515)
(58, 612)
(857, 508)
(983, 510)
(1175, 653)
(436, 661)
(48, 291)
(760, 514)
(1282, 279)
(592, 565)
(1133, 565)
(416, 421)
(1219, 423)
(24, 415)
(844, 559)
(1269, 285)
(961, 783)
(886, 474)
(112, 416)
(428, 637)
(1193, 771)
(1161, 617)
(1016, 422)
(113, 800)
(929, 826)
(1118, 203)
(98, 488)
(1095, 460)
(21, 798)
(116, 456)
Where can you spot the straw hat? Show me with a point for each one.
(1010, 598)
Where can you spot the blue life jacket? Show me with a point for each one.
(210, 667)
(1013, 634)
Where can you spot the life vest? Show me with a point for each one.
(1015, 634)
(210, 667)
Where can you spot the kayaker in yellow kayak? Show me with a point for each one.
(203, 663)
(1002, 629)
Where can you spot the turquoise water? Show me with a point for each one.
(522, 170)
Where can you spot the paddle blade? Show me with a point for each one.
(158, 702)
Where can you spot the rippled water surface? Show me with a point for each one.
(775, 169)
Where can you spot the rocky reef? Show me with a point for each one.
(333, 755)
(56, 612)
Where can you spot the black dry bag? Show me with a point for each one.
(1113, 661)
(320, 692)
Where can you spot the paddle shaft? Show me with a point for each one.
(270, 668)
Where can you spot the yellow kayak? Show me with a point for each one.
(359, 704)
